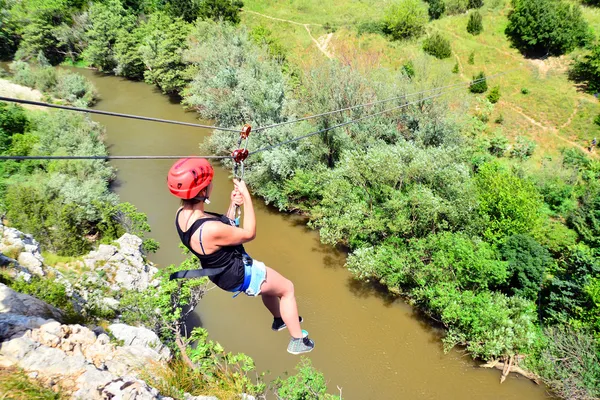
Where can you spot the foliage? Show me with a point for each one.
(50, 291)
(569, 298)
(106, 20)
(586, 218)
(523, 149)
(405, 19)
(475, 25)
(437, 46)
(471, 59)
(508, 204)
(597, 120)
(524, 90)
(527, 263)
(409, 69)
(479, 83)
(455, 69)
(227, 64)
(587, 69)
(436, 8)
(307, 384)
(570, 364)
(475, 3)
(498, 145)
(542, 27)
(16, 385)
(220, 10)
(13, 121)
(66, 85)
(454, 7)
(494, 95)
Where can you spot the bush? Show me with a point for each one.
(523, 149)
(471, 60)
(524, 91)
(437, 46)
(456, 6)
(587, 70)
(408, 69)
(75, 88)
(307, 384)
(597, 120)
(499, 119)
(475, 3)
(475, 25)
(498, 145)
(406, 19)
(540, 27)
(436, 8)
(375, 27)
(478, 84)
(455, 69)
(494, 95)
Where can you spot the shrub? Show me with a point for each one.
(471, 60)
(499, 119)
(456, 6)
(587, 70)
(437, 46)
(475, 3)
(307, 384)
(436, 8)
(375, 27)
(494, 95)
(408, 69)
(475, 25)
(75, 88)
(546, 26)
(524, 91)
(523, 149)
(498, 145)
(597, 120)
(406, 19)
(478, 84)
(455, 69)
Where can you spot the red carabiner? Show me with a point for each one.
(239, 155)
(246, 131)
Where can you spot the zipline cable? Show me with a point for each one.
(113, 114)
(347, 123)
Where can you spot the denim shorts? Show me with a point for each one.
(258, 274)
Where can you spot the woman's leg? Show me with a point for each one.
(272, 304)
(278, 286)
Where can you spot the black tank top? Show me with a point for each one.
(231, 256)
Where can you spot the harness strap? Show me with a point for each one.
(196, 273)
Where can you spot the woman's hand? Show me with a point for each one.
(240, 186)
(236, 197)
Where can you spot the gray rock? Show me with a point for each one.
(23, 304)
(129, 359)
(17, 349)
(91, 382)
(139, 336)
(31, 263)
(187, 396)
(13, 325)
(50, 361)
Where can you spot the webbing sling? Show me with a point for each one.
(196, 273)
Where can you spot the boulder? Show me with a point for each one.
(140, 336)
(23, 304)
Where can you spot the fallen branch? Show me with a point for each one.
(508, 367)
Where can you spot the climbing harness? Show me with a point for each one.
(239, 155)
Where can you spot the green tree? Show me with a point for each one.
(406, 19)
(436, 8)
(494, 95)
(527, 262)
(164, 42)
(106, 20)
(542, 27)
(307, 384)
(220, 10)
(508, 204)
(587, 69)
(13, 120)
(127, 54)
(479, 83)
(437, 46)
(9, 39)
(475, 24)
(586, 218)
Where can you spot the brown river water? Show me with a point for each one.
(371, 346)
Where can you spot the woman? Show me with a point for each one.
(218, 243)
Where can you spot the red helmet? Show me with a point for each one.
(188, 176)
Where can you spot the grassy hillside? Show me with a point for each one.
(554, 112)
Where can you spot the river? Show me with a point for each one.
(371, 346)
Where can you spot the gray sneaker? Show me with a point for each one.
(301, 345)
(279, 325)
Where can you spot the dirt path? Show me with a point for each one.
(551, 129)
(322, 42)
(9, 89)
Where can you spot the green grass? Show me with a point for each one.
(15, 385)
(546, 114)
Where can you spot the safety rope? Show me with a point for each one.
(113, 114)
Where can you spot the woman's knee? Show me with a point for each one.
(288, 287)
